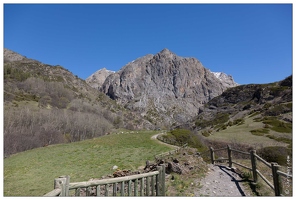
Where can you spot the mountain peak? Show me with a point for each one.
(165, 50)
(98, 78)
(166, 53)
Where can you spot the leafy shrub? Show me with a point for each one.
(15, 73)
(281, 139)
(205, 133)
(274, 154)
(183, 136)
(275, 91)
(246, 107)
(277, 125)
(260, 131)
(238, 121)
(219, 119)
(254, 113)
(279, 109)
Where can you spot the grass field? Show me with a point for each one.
(32, 173)
(242, 134)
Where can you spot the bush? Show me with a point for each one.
(276, 154)
(183, 136)
(260, 131)
(205, 133)
(277, 125)
(238, 122)
(219, 119)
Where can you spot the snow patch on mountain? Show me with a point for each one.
(226, 79)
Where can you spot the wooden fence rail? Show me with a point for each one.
(147, 184)
(254, 158)
(160, 156)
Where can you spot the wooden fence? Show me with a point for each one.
(147, 184)
(162, 155)
(274, 167)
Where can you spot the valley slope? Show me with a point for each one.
(46, 104)
(248, 114)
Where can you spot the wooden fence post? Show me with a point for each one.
(158, 180)
(63, 183)
(254, 168)
(147, 186)
(152, 185)
(161, 179)
(276, 182)
(212, 155)
(229, 156)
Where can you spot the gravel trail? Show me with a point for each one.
(154, 137)
(219, 181)
(222, 182)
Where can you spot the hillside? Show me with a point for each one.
(32, 173)
(46, 104)
(248, 111)
(165, 88)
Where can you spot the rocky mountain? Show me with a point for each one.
(165, 88)
(97, 79)
(271, 103)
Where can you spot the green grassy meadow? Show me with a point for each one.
(32, 173)
(243, 134)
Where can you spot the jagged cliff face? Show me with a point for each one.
(165, 88)
(225, 79)
(97, 79)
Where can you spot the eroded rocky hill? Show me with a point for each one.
(165, 88)
(46, 104)
(97, 79)
(270, 103)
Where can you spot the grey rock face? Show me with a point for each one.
(226, 79)
(98, 78)
(164, 87)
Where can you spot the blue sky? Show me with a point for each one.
(251, 42)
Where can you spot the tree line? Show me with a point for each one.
(61, 116)
(26, 129)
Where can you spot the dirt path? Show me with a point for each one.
(154, 137)
(218, 182)
(222, 182)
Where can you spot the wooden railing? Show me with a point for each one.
(147, 184)
(276, 173)
(162, 155)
